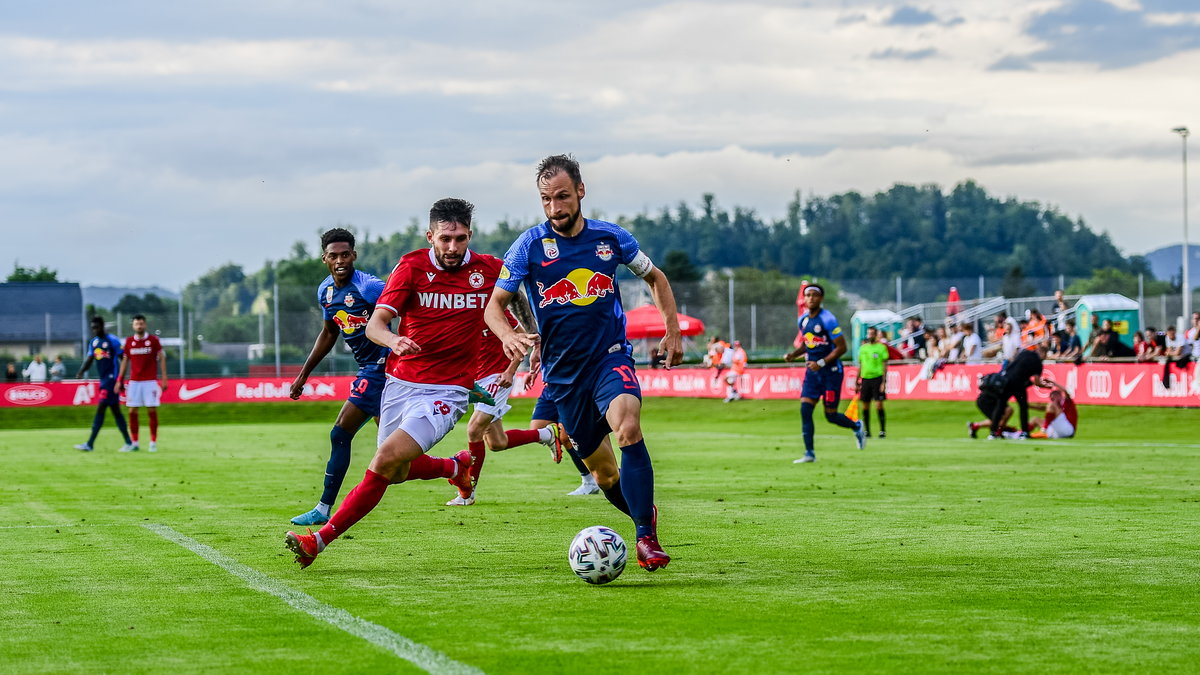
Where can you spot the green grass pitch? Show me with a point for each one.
(927, 552)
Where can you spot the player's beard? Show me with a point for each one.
(567, 225)
(446, 264)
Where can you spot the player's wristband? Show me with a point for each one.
(821, 362)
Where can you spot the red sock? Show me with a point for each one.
(153, 424)
(522, 437)
(133, 424)
(479, 452)
(364, 497)
(425, 467)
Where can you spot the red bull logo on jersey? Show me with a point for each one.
(580, 287)
(350, 322)
(812, 340)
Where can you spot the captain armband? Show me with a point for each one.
(641, 265)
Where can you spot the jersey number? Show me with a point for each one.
(627, 374)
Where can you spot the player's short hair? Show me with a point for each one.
(555, 164)
(139, 316)
(817, 287)
(97, 321)
(335, 235)
(451, 210)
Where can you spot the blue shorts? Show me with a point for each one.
(108, 393)
(582, 404)
(544, 409)
(824, 385)
(367, 390)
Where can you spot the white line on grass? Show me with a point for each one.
(417, 654)
(29, 527)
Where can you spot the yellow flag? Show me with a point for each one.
(852, 409)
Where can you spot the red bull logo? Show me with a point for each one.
(350, 322)
(579, 287)
(812, 340)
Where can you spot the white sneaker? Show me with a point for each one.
(84, 447)
(806, 459)
(1015, 435)
(586, 487)
(153, 447)
(459, 501)
(128, 447)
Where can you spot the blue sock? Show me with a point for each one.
(583, 470)
(637, 484)
(120, 417)
(839, 419)
(616, 496)
(339, 462)
(97, 422)
(806, 424)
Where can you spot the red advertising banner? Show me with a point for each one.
(1136, 384)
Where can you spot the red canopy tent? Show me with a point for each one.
(646, 322)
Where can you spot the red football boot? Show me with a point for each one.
(462, 480)
(650, 554)
(304, 546)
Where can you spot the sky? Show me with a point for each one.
(144, 143)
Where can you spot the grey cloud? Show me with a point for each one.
(905, 54)
(911, 16)
(1093, 31)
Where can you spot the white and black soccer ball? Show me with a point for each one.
(597, 555)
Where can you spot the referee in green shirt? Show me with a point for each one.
(872, 367)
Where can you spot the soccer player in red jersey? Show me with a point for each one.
(145, 365)
(439, 294)
(485, 429)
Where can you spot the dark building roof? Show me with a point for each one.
(24, 306)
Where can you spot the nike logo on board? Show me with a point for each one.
(186, 394)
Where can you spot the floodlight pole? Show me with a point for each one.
(1186, 281)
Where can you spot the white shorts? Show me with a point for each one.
(142, 394)
(500, 394)
(1060, 427)
(731, 377)
(426, 414)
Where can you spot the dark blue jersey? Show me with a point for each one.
(571, 283)
(819, 333)
(350, 308)
(106, 354)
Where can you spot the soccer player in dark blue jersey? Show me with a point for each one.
(346, 298)
(823, 345)
(569, 266)
(104, 350)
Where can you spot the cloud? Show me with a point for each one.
(904, 54)
(1101, 33)
(911, 16)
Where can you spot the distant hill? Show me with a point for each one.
(1165, 263)
(107, 296)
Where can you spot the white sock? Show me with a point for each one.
(320, 542)
(323, 508)
(545, 436)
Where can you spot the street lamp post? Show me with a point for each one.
(1186, 285)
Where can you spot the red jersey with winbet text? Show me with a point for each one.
(442, 311)
(143, 357)
(492, 360)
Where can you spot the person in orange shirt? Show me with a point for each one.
(737, 366)
(1037, 331)
(716, 356)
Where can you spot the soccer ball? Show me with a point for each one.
(597, 555)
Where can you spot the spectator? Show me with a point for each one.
(657, 358)
(1108, 343)
(36, 370)
(1060, 311)
(1177, 351)
(954, 351)
(1036, 331)
(972, 346)
(58, 370)
(1054, 353)
(934, 359)
(915, 343)
(893, 353)
(1141, 348)
(1154, 344)
(10, 373)
(1008, 332)
(1072, 346)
